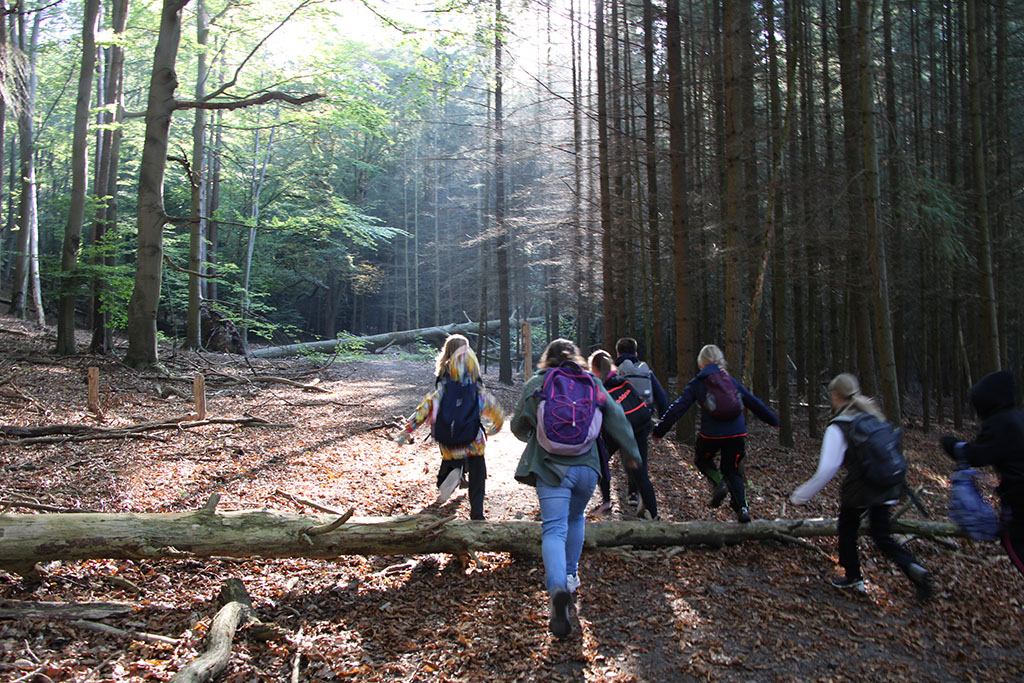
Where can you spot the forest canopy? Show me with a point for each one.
(815, 187)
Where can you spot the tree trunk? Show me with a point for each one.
(197, 226)
(989, 351)
(27, 217)
(733, 24)
(27, 539)
(106, 179)
(504, 292)
(685, 352)
(657, 337)
(79, 185)
(142, 308)
(435, 335)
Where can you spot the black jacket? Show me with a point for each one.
(1000, 443)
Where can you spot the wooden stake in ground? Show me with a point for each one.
(93, 402)
(527, 351)
(199, 392)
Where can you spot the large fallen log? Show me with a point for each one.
(432, 335)
(27, 539)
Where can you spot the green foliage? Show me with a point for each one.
(942, 217)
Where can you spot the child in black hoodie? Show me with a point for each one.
(1000, 443)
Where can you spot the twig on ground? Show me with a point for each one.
(113, 630)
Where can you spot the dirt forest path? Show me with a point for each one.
(752, 612)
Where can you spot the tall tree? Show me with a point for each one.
(79, 185)
(504, 294)
(989, 346)
(197, 182)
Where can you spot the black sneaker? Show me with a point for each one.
(922, 579)
(559, 624)
(634, 499)
(855, 583)
(743, 516)
(719, 494)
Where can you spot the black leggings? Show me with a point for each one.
(881, 532)
(733, 450)
(477, 471)
(639, 481)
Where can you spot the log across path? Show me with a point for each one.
(27, 539)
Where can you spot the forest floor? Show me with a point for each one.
(760, 611)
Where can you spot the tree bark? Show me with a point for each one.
(142, 308)
(504, 292)
(79, 185)
(435, 335)
(26, 539)
(197, 226)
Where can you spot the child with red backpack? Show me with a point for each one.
(722, 426)
(457, 409)
(630, 398)
(562, 410)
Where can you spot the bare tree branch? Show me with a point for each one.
(239, 104)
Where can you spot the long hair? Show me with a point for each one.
(560, 351)
(457, 360)
(711, 354)
(847, 388)
(601, 364)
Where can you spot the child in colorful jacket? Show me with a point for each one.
(458, 363)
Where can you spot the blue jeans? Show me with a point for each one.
(562, 511)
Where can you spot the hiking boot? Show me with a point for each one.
(572, 582)
(719, 494)
(634, 499)
(601, 508)
(922, 580)
(743, 516)
(448, 486)
(559, 624)
(849, 582)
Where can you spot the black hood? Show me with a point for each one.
(995, 392)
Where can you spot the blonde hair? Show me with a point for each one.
(847, 388)
(601, 364)
(457, 359)
(711, 354)
(559, 351)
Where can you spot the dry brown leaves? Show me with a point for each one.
(751, 612)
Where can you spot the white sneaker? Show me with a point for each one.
(572, 582)
(448, 486)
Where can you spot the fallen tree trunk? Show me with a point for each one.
(432, 335)
(236, 610)
(27, 539)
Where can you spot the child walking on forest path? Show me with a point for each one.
(858, 496)
(1000, 443)
(722, 426)
(565, 482)
(639, 416)
(462, 415)
(630, 368)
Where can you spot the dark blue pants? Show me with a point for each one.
(881, 533)
(638, 480)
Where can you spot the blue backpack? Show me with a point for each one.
(569, 416)
(969, 509)
(457, 423)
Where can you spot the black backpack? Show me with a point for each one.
(458, 417)
(628, 396)
(878, 448)
(721, 400)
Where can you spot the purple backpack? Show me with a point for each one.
(721, 400)
(569, 414)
